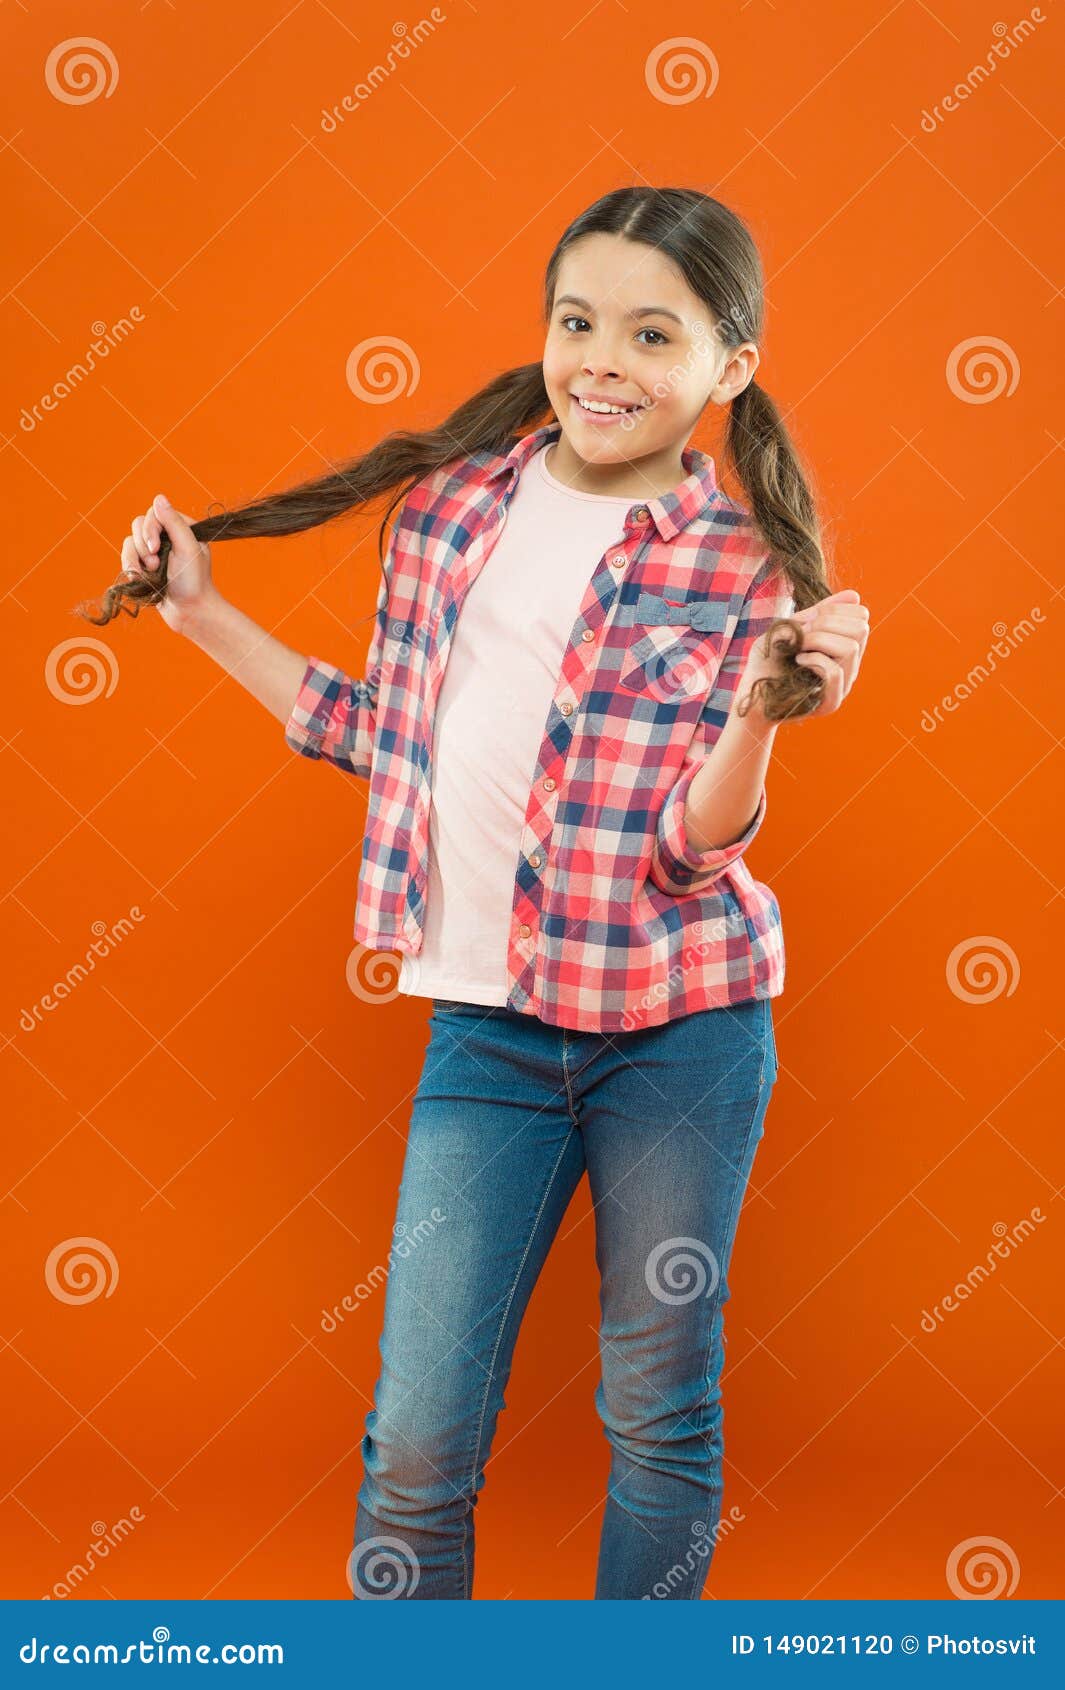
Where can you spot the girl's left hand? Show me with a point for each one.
(835, 631)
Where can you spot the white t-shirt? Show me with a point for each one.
(501, 675)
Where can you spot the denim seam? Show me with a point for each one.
(495, 1352)
(566, 1079)
(718, 1305)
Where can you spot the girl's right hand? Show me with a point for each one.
(188, 569)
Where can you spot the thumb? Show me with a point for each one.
(847, 594)
(183, 541)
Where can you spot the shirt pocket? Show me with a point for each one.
(676, 649)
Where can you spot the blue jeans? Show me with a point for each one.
(509, 1113)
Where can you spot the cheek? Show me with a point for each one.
(558, 365)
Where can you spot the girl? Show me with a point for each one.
(564, 779)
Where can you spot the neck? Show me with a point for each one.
(647, 477)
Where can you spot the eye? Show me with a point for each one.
(663, 340)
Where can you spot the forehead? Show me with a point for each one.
(618, 275)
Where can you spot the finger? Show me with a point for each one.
(827, 608)
(833, 645)
(839, 673)
(839, 622)
(832, 675)
(182, 539)
(149, 558)
(151, 529)
(131, 562)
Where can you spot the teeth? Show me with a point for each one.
(610, 410)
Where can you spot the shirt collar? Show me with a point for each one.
(670, 512)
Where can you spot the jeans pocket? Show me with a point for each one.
(736, 1050)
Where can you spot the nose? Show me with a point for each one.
(602, 364)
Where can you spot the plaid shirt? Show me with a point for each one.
(617, 921)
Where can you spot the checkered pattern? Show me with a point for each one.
(617, 922)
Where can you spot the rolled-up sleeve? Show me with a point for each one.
(676, 866)
(334, 717)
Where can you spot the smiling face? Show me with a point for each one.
(626, 329)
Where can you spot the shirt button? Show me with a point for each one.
(567, 709)
(641, 513)
(549, 785)
(619, 562)
(524, 930)
(535, 861)
(587, 634)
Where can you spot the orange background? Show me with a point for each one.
(214, 1102)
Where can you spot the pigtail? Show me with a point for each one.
(507, 408)
(767, 466)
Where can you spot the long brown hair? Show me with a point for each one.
(719, 261)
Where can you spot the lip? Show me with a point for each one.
(604, 417)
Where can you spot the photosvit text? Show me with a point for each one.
(934, 1643)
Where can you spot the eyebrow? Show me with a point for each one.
(644, 310)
